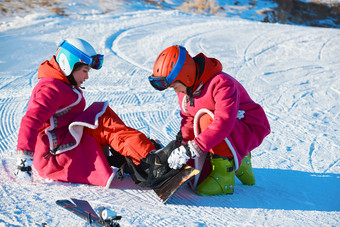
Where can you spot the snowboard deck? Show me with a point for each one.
(168, 189)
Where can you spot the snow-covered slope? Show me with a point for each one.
(292, 71)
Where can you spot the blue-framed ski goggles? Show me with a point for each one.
(163, 82)
(95, 61)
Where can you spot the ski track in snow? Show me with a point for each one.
(281, 67)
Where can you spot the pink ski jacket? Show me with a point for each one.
(238, 120)
(52, 131)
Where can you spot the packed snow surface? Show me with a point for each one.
(292, 71)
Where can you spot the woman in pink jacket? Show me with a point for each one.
(63, 140)
(218, 117)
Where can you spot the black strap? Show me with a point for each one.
(179, 137)
(143, 174)
(200, 64)
(231, 169)
(138, 176)
(72, 80)
(27, 169)
(49, 154)
(120, 172)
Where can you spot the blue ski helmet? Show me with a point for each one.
(72, 51)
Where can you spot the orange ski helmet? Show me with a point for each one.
(173, 64)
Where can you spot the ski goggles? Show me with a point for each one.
(163, 82)
(95, 61)
(159, 83)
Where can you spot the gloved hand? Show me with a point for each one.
(164, 153)
(181, 155)
(24, 168)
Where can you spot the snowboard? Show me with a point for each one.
(83, 209)
(169, 188)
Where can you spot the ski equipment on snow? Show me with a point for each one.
(168, 189)
(84, 210)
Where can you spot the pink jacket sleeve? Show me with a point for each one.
(43, 104)
(226, 100)
(187, 127)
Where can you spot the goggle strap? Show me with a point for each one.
(179, 64)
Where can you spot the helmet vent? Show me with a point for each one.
(172, 64)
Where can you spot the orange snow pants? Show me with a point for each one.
(127, 141)
(221, 149)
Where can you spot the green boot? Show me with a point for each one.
(221, 179)
(245, 172)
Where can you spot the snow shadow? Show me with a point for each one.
(274, 189)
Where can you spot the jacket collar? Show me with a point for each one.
(51, 69)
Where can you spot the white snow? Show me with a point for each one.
(292, 71)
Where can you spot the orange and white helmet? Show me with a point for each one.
(173, 64)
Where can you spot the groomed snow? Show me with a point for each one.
(292, 71)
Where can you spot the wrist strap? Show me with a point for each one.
(195, 149)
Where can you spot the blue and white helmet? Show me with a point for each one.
(72, 51)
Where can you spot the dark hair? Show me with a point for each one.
(77, 66)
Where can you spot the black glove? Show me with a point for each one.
(24, 168)
(164, 153)
(179, 137)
